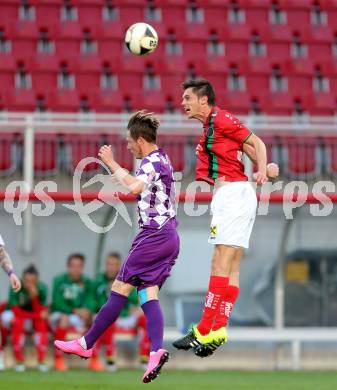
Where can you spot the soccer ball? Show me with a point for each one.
(141, 39)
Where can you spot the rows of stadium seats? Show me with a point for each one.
(54, 153)
(299, 157)
(54, 54)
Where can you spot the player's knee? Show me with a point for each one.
(147, 294)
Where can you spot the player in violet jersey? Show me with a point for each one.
(153, 251)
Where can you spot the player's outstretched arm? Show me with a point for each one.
(7, 265)
(134, 185)
(272, 168)
(261, 158)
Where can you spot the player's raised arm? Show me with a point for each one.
(261, 158)
(272, 168)
(134, 185)
(7, 265)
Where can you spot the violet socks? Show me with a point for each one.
(105, 317)
(154, 324)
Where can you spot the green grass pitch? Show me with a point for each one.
(169, 380)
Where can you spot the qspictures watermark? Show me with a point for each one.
(293, 194)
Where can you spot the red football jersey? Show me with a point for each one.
(219, 152)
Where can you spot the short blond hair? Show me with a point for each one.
(144, 124)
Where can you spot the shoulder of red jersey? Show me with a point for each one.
(226, 117)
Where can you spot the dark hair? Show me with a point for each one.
(143, 124)
(31, 269)
(201, 87)
(75, 256)
(115, 254)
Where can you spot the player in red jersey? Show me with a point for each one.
(233, 207)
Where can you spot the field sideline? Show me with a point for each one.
(169, 380)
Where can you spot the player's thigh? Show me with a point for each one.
(121, 287)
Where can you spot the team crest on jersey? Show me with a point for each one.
(213, 231)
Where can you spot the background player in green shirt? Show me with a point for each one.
(29, 312)
(72, 303)
(131, 320)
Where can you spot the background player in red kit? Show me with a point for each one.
(233, 207)
(30, 313)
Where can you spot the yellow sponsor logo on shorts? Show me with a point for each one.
(213, 231)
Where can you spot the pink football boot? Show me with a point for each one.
(74, 347)
(156, 362)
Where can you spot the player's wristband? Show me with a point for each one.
(10, 272)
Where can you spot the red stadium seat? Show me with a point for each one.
(67, 48)
(69, 30)
(131, 14)
(330, 155)
(235, 32)
(299, 66)
(21, 100)
(323, 103)
(123, 156)
(130, 82)
(278, 103)
(23, 49)
(300, 156)
(7, 83)
(90, 15)
(111, 30)
(174, 146)
(106, 48)
(236, 51)
(49, 11)
(278, 52)
(318, 52)
(80, 146)
(152, 100)
(44, 81)
(217, 14)
(8, 14)
(45, 62)
(65, 100)
(299, 85)
(174, 16)
(236, 101)
(8, 154)
(46, 153)
(87, 82)
(108, 101)
(257, 85)
(280, 33)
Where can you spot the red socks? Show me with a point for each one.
(225, 307)
(215, 294)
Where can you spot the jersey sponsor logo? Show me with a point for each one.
(72, 291)
(209, 299)
(240, 155)
(228, 309)
(213, 231)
